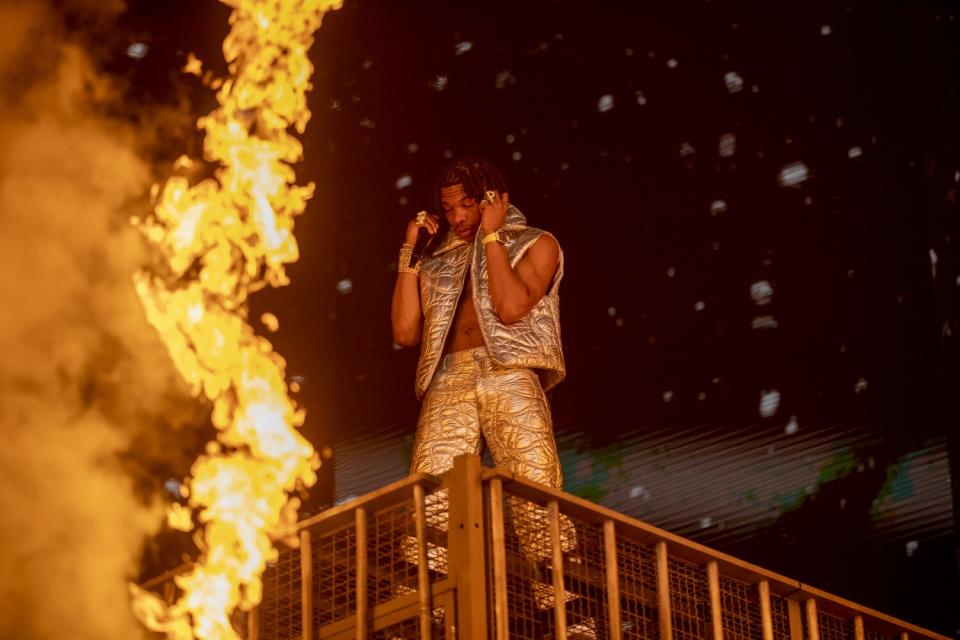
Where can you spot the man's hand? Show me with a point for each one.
(429, 222)
(493, 212)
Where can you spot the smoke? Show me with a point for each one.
(83, 378)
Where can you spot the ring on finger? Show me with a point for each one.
(421, 218)
(489, 196)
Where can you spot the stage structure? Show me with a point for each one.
(478, 553)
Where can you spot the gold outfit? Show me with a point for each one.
(471, 396)
(496, 391)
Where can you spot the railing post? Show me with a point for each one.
(766, 614)
(362, 569)
(813, 621)
(559, 592)
(467, 548)
(253, 623)
(306, 585)
(498, 547)
(795, 615)
(613, 579)
(663, 592)
(858, 631)
(423, 569)
(716, 612)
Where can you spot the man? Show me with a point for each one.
(484, 307)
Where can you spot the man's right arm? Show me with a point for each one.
(406, 316)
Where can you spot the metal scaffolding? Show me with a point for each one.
(479, 553)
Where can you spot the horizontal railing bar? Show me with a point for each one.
(689, 550)
(390, 608)
(335, 517)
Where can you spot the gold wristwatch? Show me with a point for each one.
(495, 236)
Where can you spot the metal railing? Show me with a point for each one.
(479, 554)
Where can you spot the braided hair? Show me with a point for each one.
(476, 174)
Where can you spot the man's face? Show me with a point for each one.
(461, 211)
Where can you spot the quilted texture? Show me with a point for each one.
(532, 343)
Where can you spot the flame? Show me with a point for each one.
(220, 240)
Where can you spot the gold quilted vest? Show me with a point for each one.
(533, 342)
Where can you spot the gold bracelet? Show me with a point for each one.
(403, 263)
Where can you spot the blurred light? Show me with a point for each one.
(172, 487)
(439, 82)
(793, 174)
(511, 138)
(761, 292)
(733, 81)
(671, 272)
(413, 147)
(366, 64)
(345, 286)
(395, 346)
(605, 103)
(792, 426)
(619, 322)
(912, 547)
(700, 305)
(667, 396)
(641, 99)
(861, 385)
(826, 30)
(933, 263)
(516, 155)
(672, 63)
(686, 149)
(854, 152)
(368, 123)
(702, 396)
(612, 311)
(463, 47)
(769, 402)
(138, 50)
(403, 181)
(639, 491)
(718, 206)
(764, 322)
(504, 79)
(705, 522)
(728, 145)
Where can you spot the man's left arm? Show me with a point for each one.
(516, 290)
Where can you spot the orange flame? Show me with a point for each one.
(222, 239)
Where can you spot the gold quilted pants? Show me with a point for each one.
(471, 396)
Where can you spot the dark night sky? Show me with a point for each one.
(613, 125)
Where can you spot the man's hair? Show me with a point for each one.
(476, 174)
